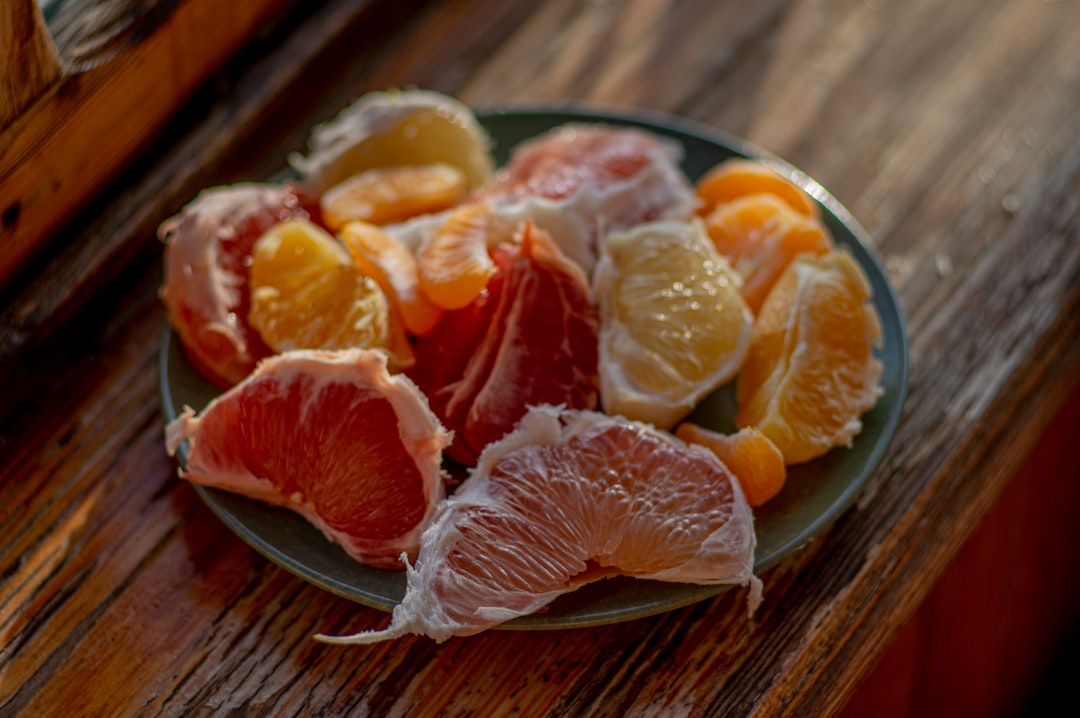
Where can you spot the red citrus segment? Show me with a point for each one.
(332, 436)
(207, 253)
(566, 499)
(532, 341)
(577, 181)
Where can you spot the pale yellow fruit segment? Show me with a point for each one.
(674, 325)
(306, 293)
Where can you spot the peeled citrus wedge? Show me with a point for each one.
(392, 194)
(749, 454)
(569, 498)
(383, 129)
(739, 177)
(674, 326)
(760, 234)
(811, 371)
(393, 266)
(306, 293)
(453, 261)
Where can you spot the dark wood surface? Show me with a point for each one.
(952, 132)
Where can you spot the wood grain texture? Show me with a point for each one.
(104, 108)
(951, 131)
(30, 62)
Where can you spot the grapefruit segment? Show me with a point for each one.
(578, 181)
(529, 338)
(568, 498)
(332, 436)
(208, 248)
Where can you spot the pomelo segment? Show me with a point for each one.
(208, 249)
(332, 436)
(568, 498)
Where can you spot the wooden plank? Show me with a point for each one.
(30, 63)
(92, 121)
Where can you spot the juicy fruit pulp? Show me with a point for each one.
(332, 436)
(674, 325)
(392, 194)
(810, 373)
(530, 338)
(207, 252)
(569, 498)
(306, 293)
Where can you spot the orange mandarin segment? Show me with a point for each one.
(811, 372)
(453, 261)
(739, 177)
(393, 194)
(760, 235)
(393, 267)
(749, 454)
(307, 294)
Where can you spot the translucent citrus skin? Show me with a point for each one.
(332, 436)
(392, 194)
(811, 373)
(453, 263)
(760, 234)
(739, 177)
(306, 293)
(569, 498)
(674, 323)
(756, 462)
(394, 269)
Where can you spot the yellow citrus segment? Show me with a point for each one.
(739, 177)
(307, 294)
(453, 261)
(673, 323)
(811, 373)
(393, 267)
(760, 234)
(392, 194)
(396, 127)
(756, 462)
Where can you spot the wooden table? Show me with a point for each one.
(950, 130)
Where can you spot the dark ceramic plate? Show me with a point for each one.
(815, 494)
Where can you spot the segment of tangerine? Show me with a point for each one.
(760, 234)
(393, 267)
(306, 293)
(395, 127)
(568, 498)
(207, 252)
(453, 263)
(332, 436)
(739, 177)
(811, 373)
(749, 454)
(392, 194)
(674, 325)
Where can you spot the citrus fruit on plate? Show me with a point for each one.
(814, 495)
